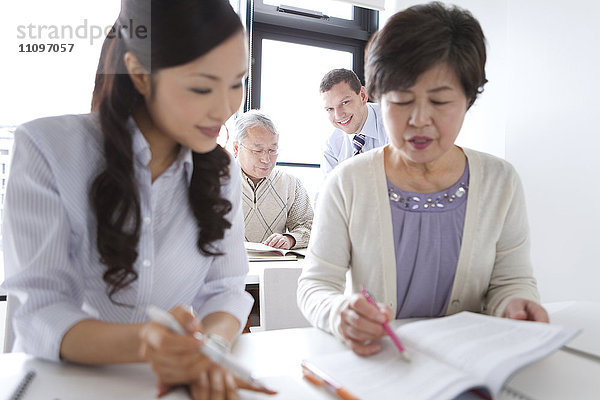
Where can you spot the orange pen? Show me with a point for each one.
(319, 378)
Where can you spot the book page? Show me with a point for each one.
(387, 376)
(272, 257)
(259, 248)
(487, 347)
(449, 356)
(256, 250)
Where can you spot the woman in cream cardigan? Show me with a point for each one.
(429, 228)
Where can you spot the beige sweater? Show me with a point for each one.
(279, 204)
(353, 231)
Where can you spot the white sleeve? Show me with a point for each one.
(331, 152)
(512, 276)
(37, 241)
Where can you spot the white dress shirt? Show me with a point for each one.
(52, 263)
(338, 146)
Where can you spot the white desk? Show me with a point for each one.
(257, 268)
(70, 382)
(277, 282)
(275, 356)
(561, 376)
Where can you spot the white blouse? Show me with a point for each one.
(51, 260)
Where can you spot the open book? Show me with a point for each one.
(450, 355)
(262, 252)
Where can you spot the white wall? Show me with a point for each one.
(34, 85)
(553, 138)
(539, 112)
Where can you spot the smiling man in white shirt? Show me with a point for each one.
(358, 124)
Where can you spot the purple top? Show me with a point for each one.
(428, 231)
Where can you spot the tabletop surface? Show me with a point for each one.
(275, 358)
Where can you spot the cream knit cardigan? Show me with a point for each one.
(352, 231)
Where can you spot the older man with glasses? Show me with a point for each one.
(276, 207)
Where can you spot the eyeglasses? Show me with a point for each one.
(261, 153)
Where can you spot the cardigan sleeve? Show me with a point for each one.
(323, 279)
(512, 275)
(351, 244)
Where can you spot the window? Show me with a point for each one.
(292, 47)
(330, 8)
(298, 103)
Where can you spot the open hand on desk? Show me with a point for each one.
(362, 324)
(525, 310)
(280, 241)
(204, 388)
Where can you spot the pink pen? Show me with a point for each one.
(387, 328)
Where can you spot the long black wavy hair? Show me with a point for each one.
(161, 34)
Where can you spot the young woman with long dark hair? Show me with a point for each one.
(135, 203)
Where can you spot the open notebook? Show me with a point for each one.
(262, 252)
(450, 355)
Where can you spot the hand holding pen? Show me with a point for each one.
(387, 328)
(196, 361)
(361, 325)
(174, 359)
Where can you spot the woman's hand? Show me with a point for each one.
(221, 385)
(525, 310)
(280, 241)
(214, 383)
(174, 358)
(362, 324)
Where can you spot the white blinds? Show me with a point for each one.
(373, 4)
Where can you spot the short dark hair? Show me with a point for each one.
(338, 75)
(420, 37)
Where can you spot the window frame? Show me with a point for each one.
(265, 22)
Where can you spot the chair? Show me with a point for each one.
(277, 294)
(9, 335)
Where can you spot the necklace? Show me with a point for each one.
(432, 202)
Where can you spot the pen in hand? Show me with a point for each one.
(387, 328)
(319, 378)
(208, 348)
